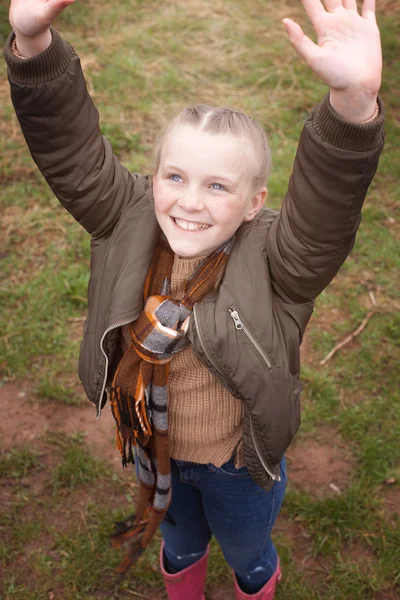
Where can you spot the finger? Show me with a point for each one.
(64, 3)
(368, 9)
(302, 44)
(350, 4)
(55, 7)
(332, 5)
(314, 9)
(59, 5)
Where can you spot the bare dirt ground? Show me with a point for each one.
(322, 466)
(28, 419)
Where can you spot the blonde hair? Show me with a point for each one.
(216, 120)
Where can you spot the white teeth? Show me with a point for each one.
(189, 226)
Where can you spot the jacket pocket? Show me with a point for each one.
(271, 396)
(240, 326)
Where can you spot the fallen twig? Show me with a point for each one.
(372, 297)
(335, 488)
(348, 339)
(138, 595)
(72, 319)
(88, 530)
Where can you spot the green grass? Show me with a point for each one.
(18, 462)
(76, 465)
(143, 62)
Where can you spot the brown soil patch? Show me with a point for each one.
(358, 552)
(315, 569)
(391, 502)
(220, 594)
(314, 465)
(321, 466)
(328, 317)
(299, 541)
(388, 595)
(28, 419)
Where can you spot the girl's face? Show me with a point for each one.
(202, 189)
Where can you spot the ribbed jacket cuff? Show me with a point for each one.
(43, 67)
(357, 137)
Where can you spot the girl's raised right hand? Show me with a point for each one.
(31, 20)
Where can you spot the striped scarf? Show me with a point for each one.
(139, 391)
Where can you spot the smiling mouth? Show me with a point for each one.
(189, 225)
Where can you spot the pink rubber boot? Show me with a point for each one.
(267, 592)
(187, 584)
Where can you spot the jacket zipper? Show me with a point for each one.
(107, 331)
(242, 327)
(255, 442)
(196, 324)
(262, 461)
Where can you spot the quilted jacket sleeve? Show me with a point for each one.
(61, 127)
(316, 227)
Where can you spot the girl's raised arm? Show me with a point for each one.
(338, 150)
(60, 122)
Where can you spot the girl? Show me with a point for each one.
(199, 296)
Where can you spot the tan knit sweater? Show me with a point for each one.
(204, 419)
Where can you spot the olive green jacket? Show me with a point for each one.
(248, 333)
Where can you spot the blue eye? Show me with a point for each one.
(219, 186)
(175, 177)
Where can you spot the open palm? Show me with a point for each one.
(32, 17)
(348, 53)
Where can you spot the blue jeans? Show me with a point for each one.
(227, 503)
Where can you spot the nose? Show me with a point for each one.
(190, 199)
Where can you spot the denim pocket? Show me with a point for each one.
(229, 469)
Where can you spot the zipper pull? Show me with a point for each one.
(236, 319)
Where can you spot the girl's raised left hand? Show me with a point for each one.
(31, 20)
(347, 56)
